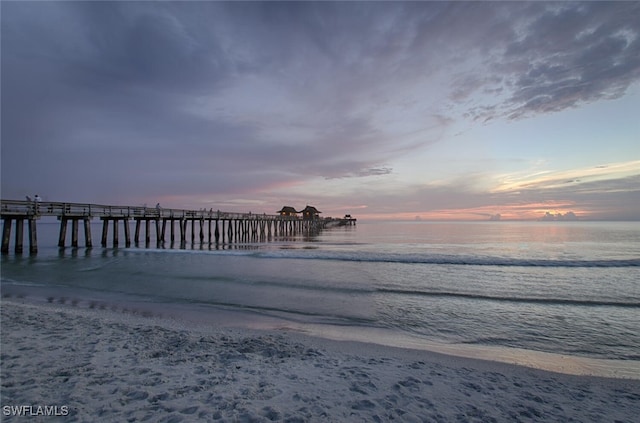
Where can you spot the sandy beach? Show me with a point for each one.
(92, 364)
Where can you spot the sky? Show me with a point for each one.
(383, 110)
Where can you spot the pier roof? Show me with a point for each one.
(288, 210)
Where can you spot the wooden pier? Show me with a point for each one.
(209, 226)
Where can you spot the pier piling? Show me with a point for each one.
(87, 232)
(127, 236)
(6, 235)
(105, 232)
(75, 223)
(19, 235)
(63, 232)
(33, 236)
(74, 233)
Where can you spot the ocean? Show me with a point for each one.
(569, 289)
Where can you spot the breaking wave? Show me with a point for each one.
(443, 259)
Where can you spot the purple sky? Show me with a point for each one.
(383, 110)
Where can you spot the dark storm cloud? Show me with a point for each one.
(101, 97)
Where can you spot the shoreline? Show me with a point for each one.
(201, 315)
(114, 366)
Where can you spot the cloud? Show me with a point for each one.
(364, 172)
(111, 101)
(614, 195)
(573, 179)
(561, 55)
(121, 78)
(570, 216)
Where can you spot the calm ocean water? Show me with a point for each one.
(570, 288)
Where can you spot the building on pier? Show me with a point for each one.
(310, 213)
(288, 211)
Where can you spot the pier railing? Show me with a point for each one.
(58, 209)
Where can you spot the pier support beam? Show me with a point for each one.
(105, 232)
(136, 236)
(87, 232)
(147, 232)
(33, 237)
(19, 235)
(63, 232)
(115, 232)
(164, 229)
(183, 233)
(75, 222)
(74, 233)
(6, 235)
(127, 235)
